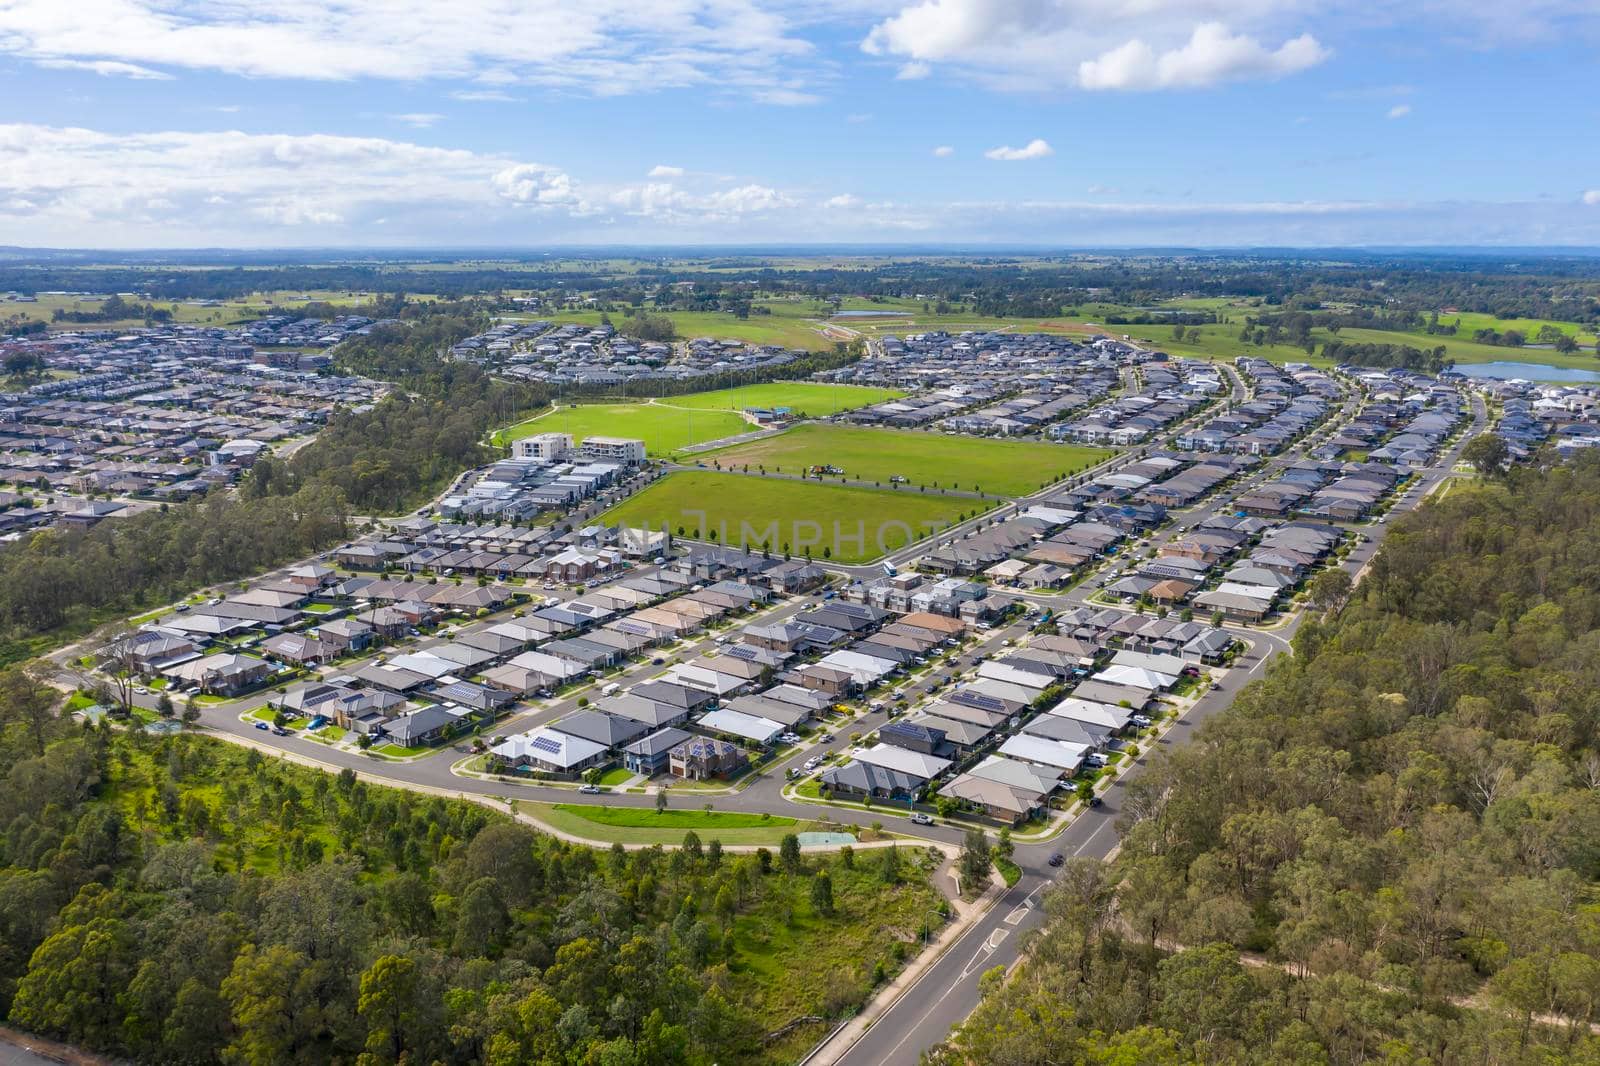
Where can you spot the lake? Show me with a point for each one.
(1502, 371)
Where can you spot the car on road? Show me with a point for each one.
(658, 661)
(918, 818)
(279, 731)
(262, 725)
(590, 790)
(1095, 801)
(1056, 858)
(826, 738)
(1216, 686)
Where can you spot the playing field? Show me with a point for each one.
(843, 523)
(807, 399)
(663, 429)
(1005, 467)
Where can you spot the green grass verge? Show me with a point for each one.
(616, 776)
(582, 821)
(1010, 872)
(844, 523)
(807, 399)
(1010, 468)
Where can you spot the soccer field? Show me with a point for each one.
(664, 430)
(839, 522)
(1011, 468)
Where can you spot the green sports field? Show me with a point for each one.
(1006, 467)
(808, 399)
(664, 430)
(843, 523)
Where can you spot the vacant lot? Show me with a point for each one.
(844, 523)
(1010, 468)
(664, 430)
(806, 398)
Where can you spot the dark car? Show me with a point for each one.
(1095, 801)
(1056, 858)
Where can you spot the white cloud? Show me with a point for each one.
(944, 151)
(1400, 111)
(1211, 55)
(1037, 148)
(785, 97)
(600, 47)
(482, 96)
(418, 120)
(536, 185)
(842, 202)
(1106, 44)
(1102, 190)
(912, 72)
(1592, 197)
(661, 170)
(107, 68)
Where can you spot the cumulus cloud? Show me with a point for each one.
(944, 151)
(1103, 44)
(1037, 148)
(660, 170)
(1400, 111)
(842, 202)
(536, 185)
(600, 47)
(1211, 55)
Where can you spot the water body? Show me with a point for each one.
(872, 314)
(1502, 371)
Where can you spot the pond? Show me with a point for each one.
(1503, 370)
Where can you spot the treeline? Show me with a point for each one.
(67, 580)
(114, 309)
(1401, 824)
(1397, 356)
(185, 901)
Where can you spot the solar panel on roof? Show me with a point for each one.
(549, 744)
(979, 700)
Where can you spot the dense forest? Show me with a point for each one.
(182, 900)
(1386, 851)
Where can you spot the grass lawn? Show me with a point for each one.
(995, 466)
(396, 751)
(806, 398)
(590, 823)
(616, 776)
(840, 522)
(664, 430)
(1010, 872)
(319, 608)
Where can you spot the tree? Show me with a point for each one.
(1330, 590)
(1488, 454)
(388, 1003)
(822, 894)
(164, 707)
(120, 656)
(789, 852)
(191, 711)
(977, 858)
(661, 800)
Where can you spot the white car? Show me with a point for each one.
(790, 738)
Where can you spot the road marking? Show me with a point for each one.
(1019, 912)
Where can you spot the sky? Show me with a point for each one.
(1058, 123)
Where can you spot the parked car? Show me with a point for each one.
(1140, 720)
(918, 818)
(590, 790)
(790, 738)
(1095, 759)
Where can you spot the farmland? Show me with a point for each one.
(663, 429)
(1011, 468)
(844, 523)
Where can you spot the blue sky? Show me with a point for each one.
(181, 123)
